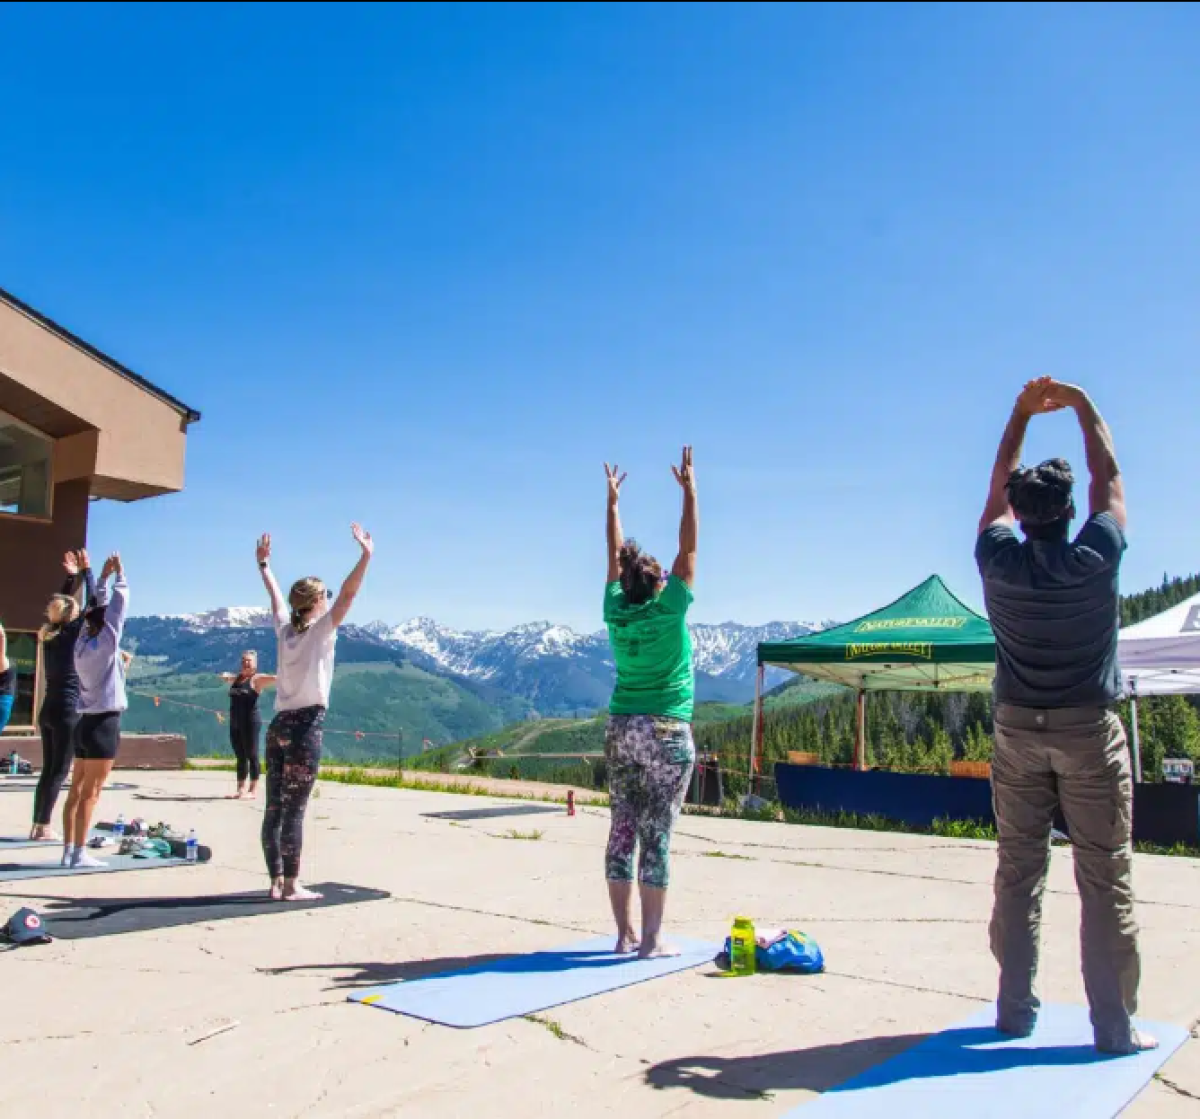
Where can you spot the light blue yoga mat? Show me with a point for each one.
(21, 843)
(972, 1070)
(23, 872)
(509, 988)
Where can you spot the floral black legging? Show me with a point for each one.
(649, 761)
(293, 755)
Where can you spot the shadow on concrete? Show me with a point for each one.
(377, 974)
(858, 1065)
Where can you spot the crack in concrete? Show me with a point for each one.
(555, 1028)
(308, 1006)
(490, 913)
(949, 881)
(905, 986)
(55, 1037)
(1179, 1090)
(962, 845)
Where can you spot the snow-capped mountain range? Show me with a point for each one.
(724, 651)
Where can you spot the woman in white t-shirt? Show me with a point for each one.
(306, 627)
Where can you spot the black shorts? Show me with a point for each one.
(98, 737)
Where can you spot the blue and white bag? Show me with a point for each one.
(794, 951)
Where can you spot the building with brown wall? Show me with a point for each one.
(76, 426)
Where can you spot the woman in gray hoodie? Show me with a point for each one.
(101, 671)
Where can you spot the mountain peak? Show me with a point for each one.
(545, 662)
(227, 617)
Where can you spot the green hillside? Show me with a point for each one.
(540, 737)
(797, 692)
(526, 744)
(376, 699)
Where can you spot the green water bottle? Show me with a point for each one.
(742, 949)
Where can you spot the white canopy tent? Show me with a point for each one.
(1161, 656)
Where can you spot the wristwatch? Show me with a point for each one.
(262, 564)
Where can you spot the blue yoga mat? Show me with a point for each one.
(972, 1070)
(521, 985)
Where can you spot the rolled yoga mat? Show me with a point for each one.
(519, 985)
(973, 1070)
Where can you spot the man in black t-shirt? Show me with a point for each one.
(1054, 605)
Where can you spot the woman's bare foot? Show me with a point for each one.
(626, 943)
(1139, 1043)
(41, 833)
(296, 892)
(251, 793)
(276, 893)
(657, 950)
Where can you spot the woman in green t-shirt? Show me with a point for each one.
(648, 742)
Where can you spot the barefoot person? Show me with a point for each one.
(1053, 603)
(306, 626)
(648, 741)
(101, 700)
(59, 714)
(245, 723)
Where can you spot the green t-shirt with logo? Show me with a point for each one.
(653, 650)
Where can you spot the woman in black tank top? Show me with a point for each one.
(59, 715)
(245, 723)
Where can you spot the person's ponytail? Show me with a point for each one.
(302, 600)
(63, 610)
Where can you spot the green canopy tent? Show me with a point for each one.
(926, 641)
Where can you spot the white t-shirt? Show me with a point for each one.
(305, 672)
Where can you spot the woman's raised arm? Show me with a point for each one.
(354, 580)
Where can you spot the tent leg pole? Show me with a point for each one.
(860, 732)
(1136, 738)
(757, 729)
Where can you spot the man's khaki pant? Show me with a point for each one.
(1076, 758)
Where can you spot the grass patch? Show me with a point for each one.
(1178, 851)
(964, 829)
(726, 855)
(554, 1028)
(531, 836)
(361, 775)
(356, 775)
(772, 812)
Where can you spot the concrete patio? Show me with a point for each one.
(121, 1025)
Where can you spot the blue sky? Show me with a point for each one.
(429, 265)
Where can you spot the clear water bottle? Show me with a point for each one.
(119, 828)
(14, 763)
(192, 846)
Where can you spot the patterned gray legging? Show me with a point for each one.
(650, 762)
(293, 758)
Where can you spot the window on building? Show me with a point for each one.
(22, 654)
(25, 469)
